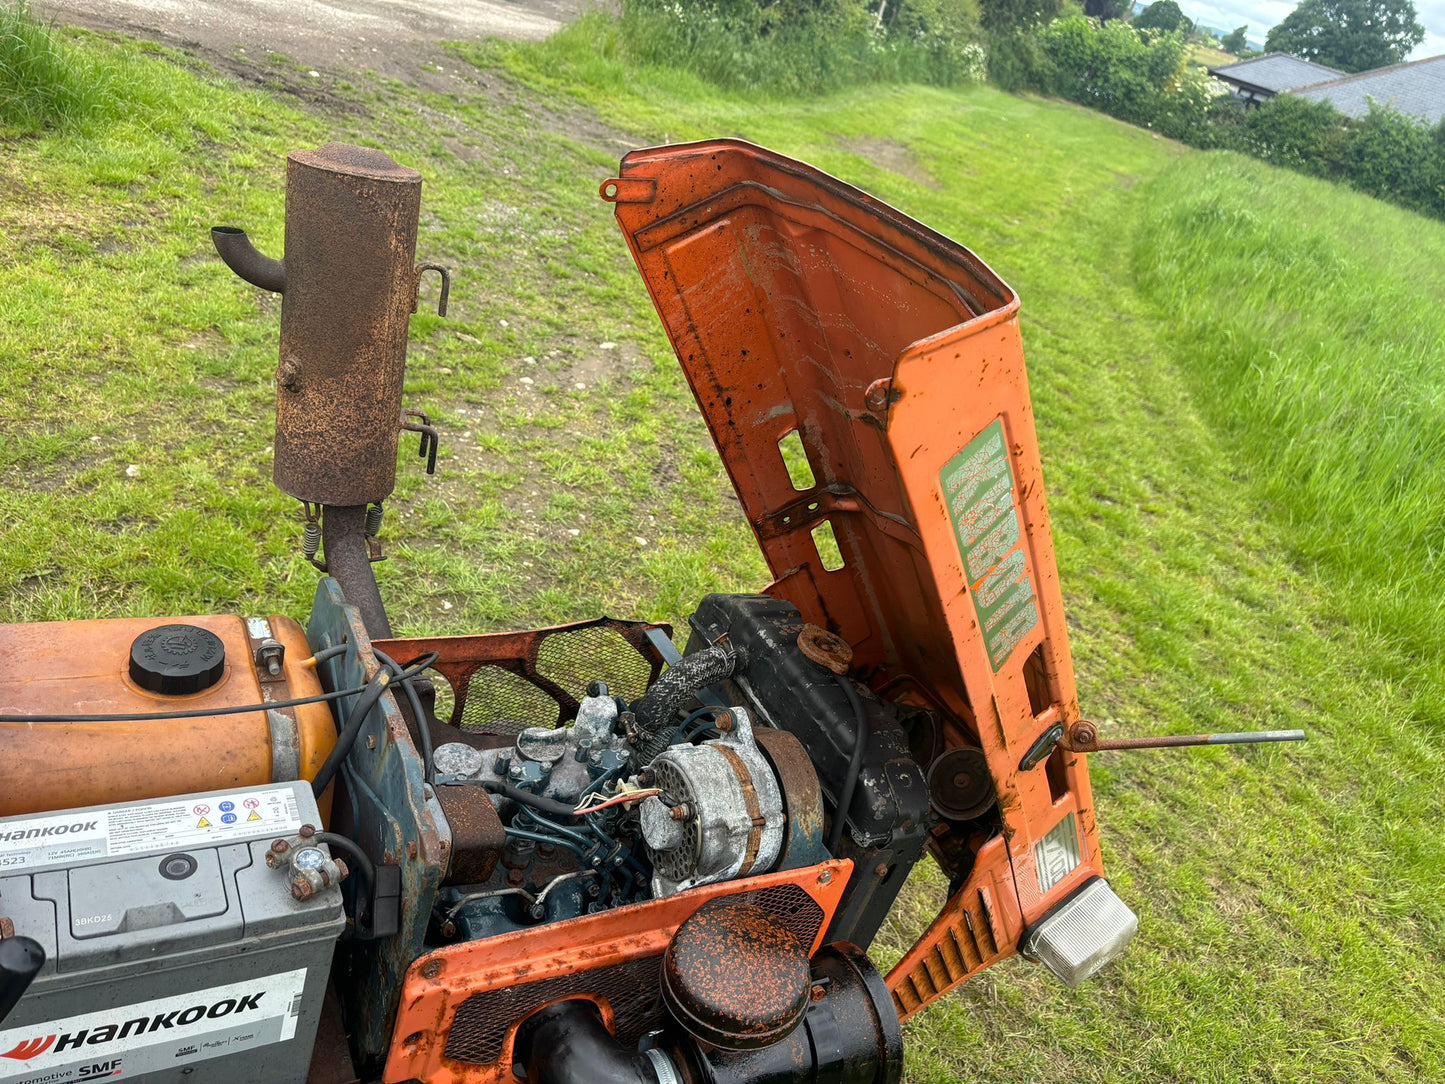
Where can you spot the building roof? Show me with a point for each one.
(1415, 88)
(1275, 73)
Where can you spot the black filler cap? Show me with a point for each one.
(177, 659)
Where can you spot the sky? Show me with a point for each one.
(1260, 15)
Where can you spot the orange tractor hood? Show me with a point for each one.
(798, 304)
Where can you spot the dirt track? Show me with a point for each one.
(390, 37)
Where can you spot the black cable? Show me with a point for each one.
(549, 806)
(855, 765)
(357, 716)
(422, 729)
(189, 713)
(363, 865)
(347, 738)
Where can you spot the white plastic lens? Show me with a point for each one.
(1090, 929)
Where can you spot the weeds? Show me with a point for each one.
(43, 82)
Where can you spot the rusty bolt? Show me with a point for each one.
(881, 870)
(723, 721)
(341, 871)
(1083, 735)
(7, 928)
(307, 831)
(516, 877)
(301, 889)
(431, 969)
(279, 846)
(818, 993)
(289, 374)
(680, 812)
(449, 929)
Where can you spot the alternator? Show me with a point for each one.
(724, 814)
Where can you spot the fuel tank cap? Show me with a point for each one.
(177, 659)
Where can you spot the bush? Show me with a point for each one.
(1137, 77)
(807, 46)
(1296, 132)
(42, 82)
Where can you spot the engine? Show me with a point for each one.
(734, 762)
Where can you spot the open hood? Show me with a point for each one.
(800, 305)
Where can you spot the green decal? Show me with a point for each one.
(978, 486)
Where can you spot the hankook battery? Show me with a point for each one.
(173, 952)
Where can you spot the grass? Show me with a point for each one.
(41, 81)
(1232, 366)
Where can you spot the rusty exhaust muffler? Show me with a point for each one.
(348, 284)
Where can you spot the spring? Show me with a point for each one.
(374, 514)
(311, 538)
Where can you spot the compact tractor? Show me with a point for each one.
(241, 849)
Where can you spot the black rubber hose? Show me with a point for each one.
(360, 863)
(548, 806)
(567, 1043)
(659, 704)
(855, 765)
(347, 738)
(423, 724)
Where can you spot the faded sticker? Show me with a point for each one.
(978, 487)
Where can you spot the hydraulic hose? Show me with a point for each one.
(654, 711)
(567, 1043)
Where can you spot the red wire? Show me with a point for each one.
(630, 796)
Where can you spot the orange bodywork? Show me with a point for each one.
(81, 667)
(798, 304)
(610, 958)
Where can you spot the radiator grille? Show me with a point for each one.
(502, 683)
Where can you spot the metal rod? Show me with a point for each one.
(1084, 738)
(343, 541)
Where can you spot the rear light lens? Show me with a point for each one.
(1087, 931)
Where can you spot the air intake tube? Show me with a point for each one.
(656, 708)
(568, 1043)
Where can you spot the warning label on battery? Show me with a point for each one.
(31, 843)
(155, 1036)
(978, 487)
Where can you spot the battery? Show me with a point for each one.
(173, 952)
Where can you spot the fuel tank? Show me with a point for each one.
(154, 665)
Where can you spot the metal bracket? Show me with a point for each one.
(446, 277)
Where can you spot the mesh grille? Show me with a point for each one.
(501, 702)
(482, 1023)
(573, 657)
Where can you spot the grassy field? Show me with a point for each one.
(1238, 377)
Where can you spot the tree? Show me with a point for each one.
(1236, 41)
(1162, 15)
(1352, 35)
(1008, 16)
(1108, 9)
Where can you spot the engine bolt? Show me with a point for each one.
(301, 889)
(818, 993)
(680, 812)
(515, 877)
(307, 831)
(279, 846)
(341, 871)
(825, 878)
